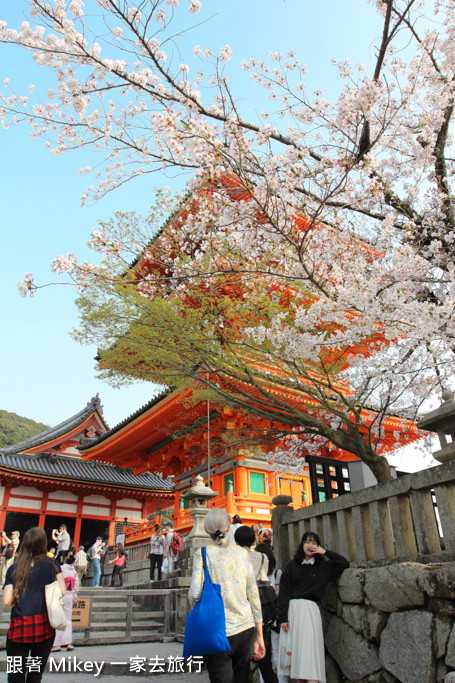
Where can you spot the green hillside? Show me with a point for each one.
(14, 428)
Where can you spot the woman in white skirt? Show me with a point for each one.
(302, 585)
(65, 638)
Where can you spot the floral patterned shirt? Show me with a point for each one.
(231, 568)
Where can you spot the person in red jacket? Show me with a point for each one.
(302, 586)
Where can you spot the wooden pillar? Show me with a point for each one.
(42, 517)
(4, 507)
(230, 506)
(271, 484)
(240, 481)
(77, 526)
(111, 537)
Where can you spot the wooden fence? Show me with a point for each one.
(412, 518)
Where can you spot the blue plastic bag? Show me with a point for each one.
(205, 626)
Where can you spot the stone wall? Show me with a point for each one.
(391, 623)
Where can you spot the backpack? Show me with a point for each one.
(126, 560)
(9, 552)
(177, 543)
(267, 597)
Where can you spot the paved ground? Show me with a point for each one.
(128, 663)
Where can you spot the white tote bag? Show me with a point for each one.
(54, 604)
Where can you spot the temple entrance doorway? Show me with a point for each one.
(90, 529)
(20, 521)
(54, 521)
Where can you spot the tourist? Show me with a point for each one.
(256, 533)
(62, 538)
(302, 585)
(30, 634)
(169, 554)
(103, 553)
(230, 567)
(119, 564)
(260, 534)
(267, 537)
(157, 543)
(273, 575)
(62, 555)
(81, 564)
(95, 555)
(65, 638)
(244, 537)
(236, 524)
(10, 546)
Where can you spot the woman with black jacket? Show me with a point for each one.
(302, 585)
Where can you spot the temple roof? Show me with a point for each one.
(45, 465)
(170, 433)
(88, 443)
(94, 405)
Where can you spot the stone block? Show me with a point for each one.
(439, 582)
(441, 633)
(332, 671)
(356, 616)
(356, 657)
(350, 585)
(394, 587)
(376, 624)
(441, 607)
(378, 677)
(330, 599)
(450, 653)
(406, 646)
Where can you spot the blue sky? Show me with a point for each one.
(44, 374)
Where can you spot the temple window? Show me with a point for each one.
(228, 478)
(257, 483)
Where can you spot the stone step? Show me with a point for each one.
(118, 625)
(109, 616)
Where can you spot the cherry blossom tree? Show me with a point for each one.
(332, 222)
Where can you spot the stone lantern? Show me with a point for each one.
(442, 421)
(199, 495)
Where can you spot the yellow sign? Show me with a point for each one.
(81, 613)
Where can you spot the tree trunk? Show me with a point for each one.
(380, 468)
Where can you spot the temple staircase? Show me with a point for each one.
(124, 615)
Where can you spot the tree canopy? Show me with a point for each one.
(331, 221)
(14, 428)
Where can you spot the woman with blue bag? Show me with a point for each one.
(224, 569)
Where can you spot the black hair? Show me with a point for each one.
(244, 536)
(267, 550)
(70, 559)
(237, 520)
(307, 536)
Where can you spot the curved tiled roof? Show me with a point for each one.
(73, 468)
(89, 443)
(60, 430)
